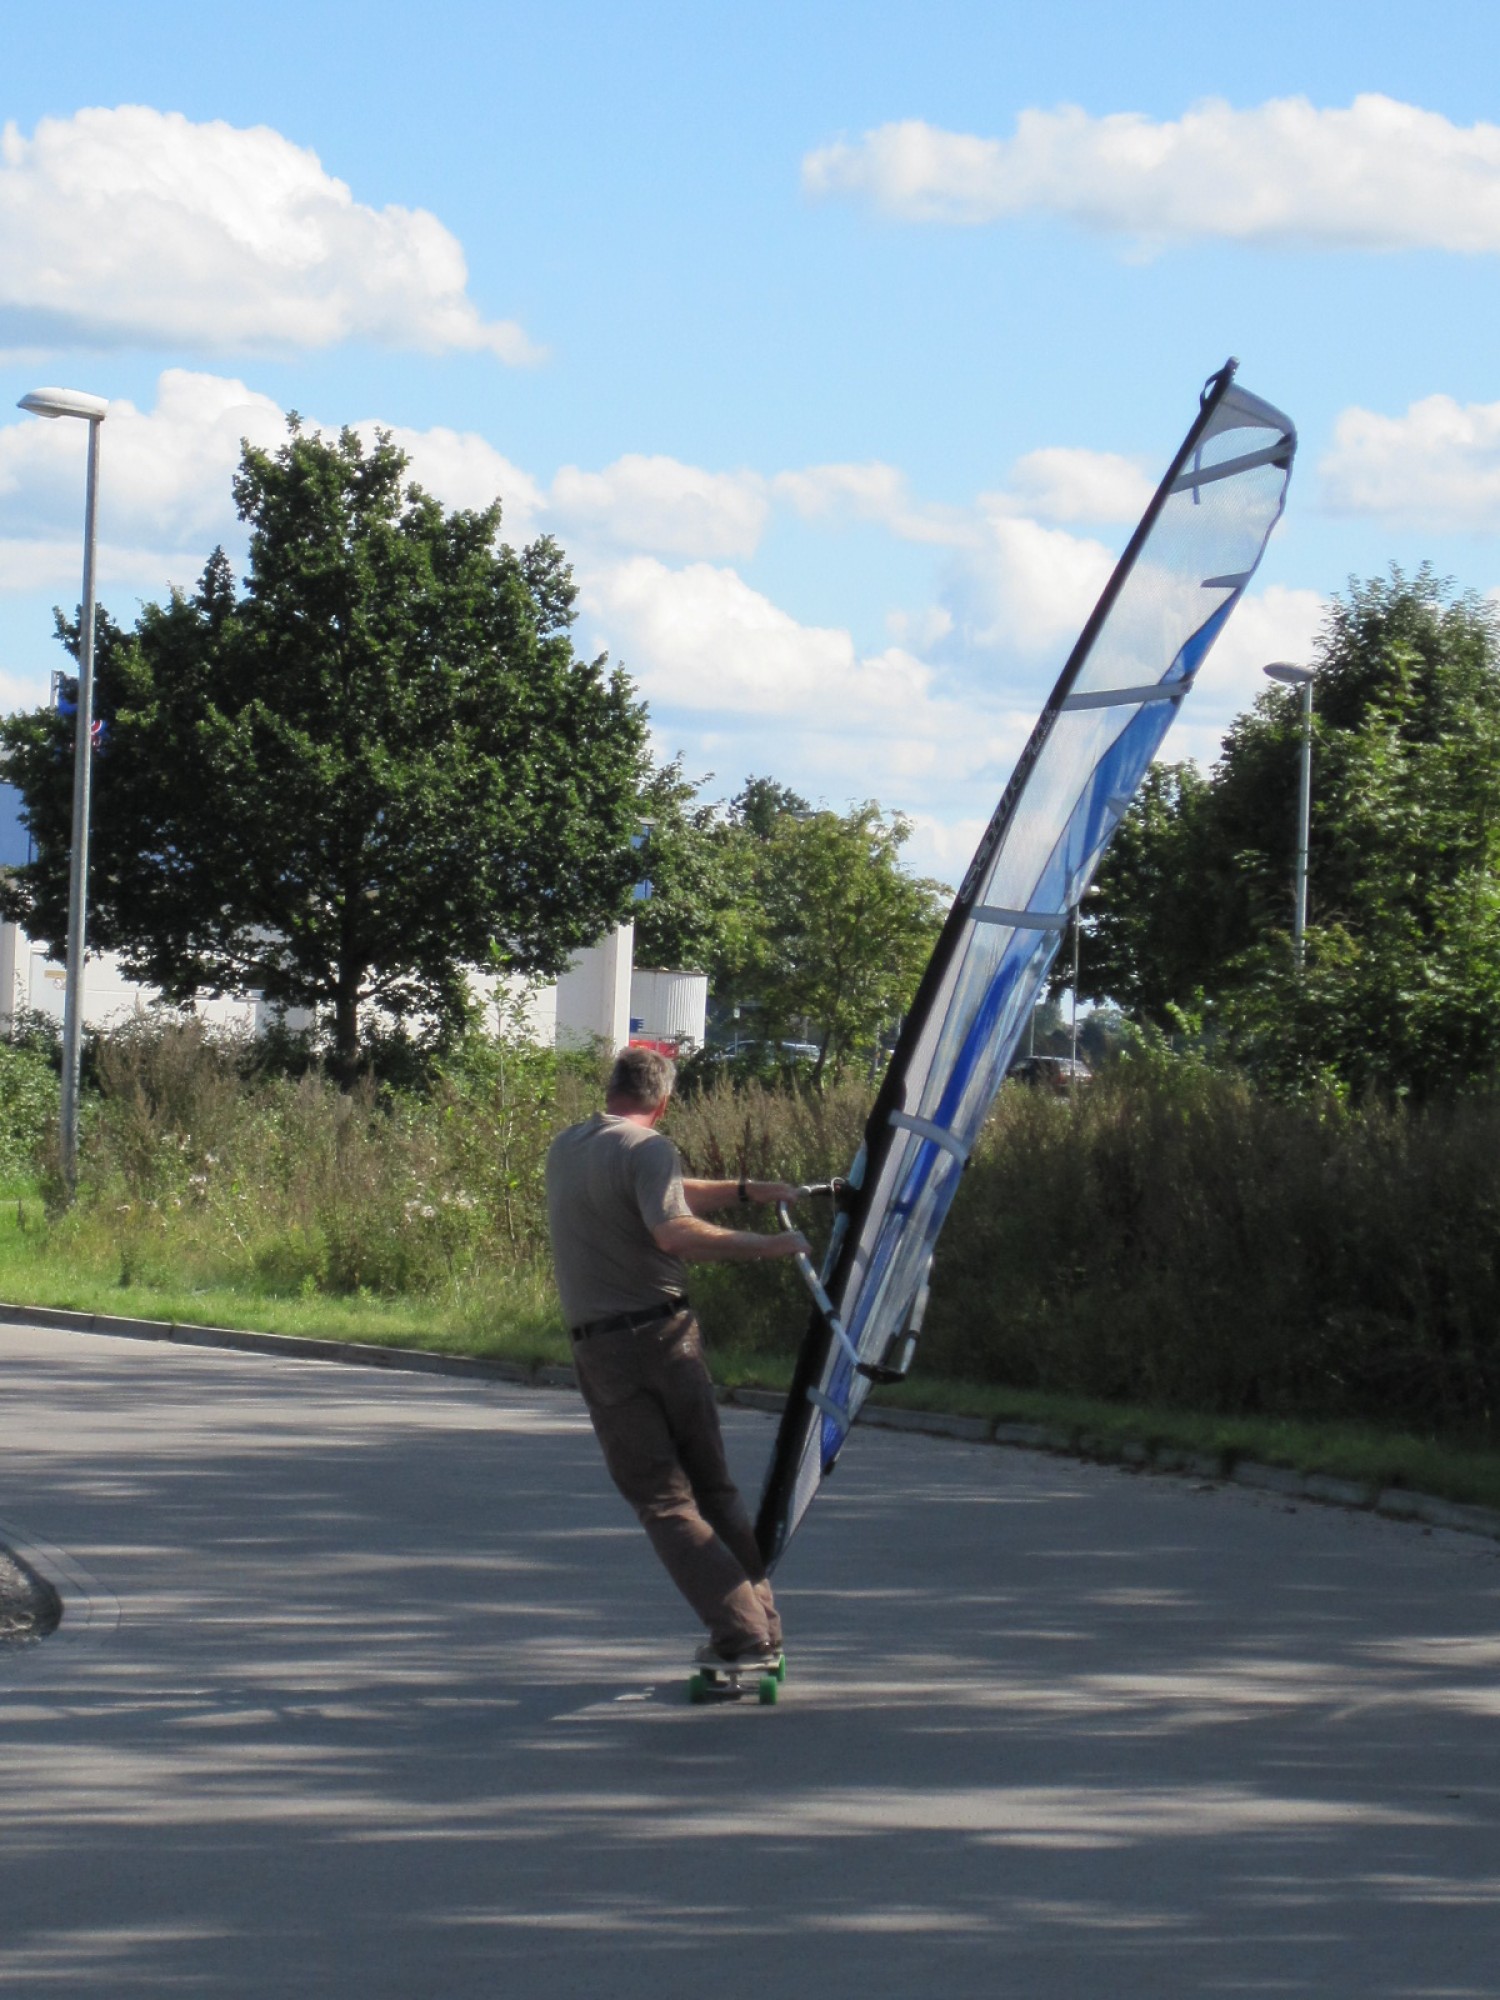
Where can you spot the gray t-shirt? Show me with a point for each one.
(610, 1182)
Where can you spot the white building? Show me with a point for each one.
(600, 998)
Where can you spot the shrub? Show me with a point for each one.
(1167, 1236)
(729, 1128)
(28, 1108)
(1176, 1239)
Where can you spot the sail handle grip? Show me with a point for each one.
(814, 1283)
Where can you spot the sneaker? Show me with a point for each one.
(747, 1653)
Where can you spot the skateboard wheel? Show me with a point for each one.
(770, 1687)
(697, 1687)
(781, 1668)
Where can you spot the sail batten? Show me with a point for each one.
(1230, 468)
(1135, 662)
(1020, 920)
(1123, 697)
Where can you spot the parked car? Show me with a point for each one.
(748, 1057)
(1056, 1073)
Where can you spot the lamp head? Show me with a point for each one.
(1284, 671)
(64, 403)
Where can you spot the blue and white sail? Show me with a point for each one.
(1172, 592)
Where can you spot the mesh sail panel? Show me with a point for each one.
(1172, 593)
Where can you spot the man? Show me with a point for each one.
(624, 1224)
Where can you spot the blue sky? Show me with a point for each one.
(835, 348)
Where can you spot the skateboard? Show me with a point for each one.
(732, 1683)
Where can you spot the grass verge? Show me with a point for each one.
(522, 1327)
(519, 1325)
(1364, 1454)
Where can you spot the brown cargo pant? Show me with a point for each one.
(651, 1400)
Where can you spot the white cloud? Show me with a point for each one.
(462, 469)
(920, 630)
(733, 678)
(164, 496)
(137, 225)
(870, 492)
(943, 848)
(667, 507)
(702, 638)
(164, 486)
(56, 564)
(1379, 175)
(1064, 483)
(1025, 588)
(739, 685)
(1439, 465)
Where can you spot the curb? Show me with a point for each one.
(289, 1346)
(1318, 1488)
(1395, 1502)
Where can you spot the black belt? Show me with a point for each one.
(629, 1322)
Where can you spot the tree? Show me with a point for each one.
(704, 912)
(1144, 928)
(842, 931)
(805, 922)
(1400, 988)
(378, 765)
(762, 803)
(694, 918)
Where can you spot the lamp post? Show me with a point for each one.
(1300, 677)
(1092, 890)
(92, 409)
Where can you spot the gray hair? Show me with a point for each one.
(641, 1077)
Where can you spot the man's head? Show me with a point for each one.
(641, 1081)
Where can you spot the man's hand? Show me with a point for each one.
(790, 1243)
(772, 1190)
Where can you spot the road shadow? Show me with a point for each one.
(395, 1705)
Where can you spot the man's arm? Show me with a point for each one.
(708, 1197)
(698, 1242)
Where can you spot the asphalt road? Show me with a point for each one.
(367, 1685)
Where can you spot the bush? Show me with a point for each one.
(1173, 1238)
(733, 1127)
(1166, 1237)
(28, 1108)
(200, 1166)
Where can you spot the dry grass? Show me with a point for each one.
(1170, 1240)
(196, 1172)
(1173, 1239)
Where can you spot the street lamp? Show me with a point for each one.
(1092, 890)
(92, 409)
(1300, 677)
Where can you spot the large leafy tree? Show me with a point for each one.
(704, 910)
(1400, 989)
(841, 930)
(695, 916)
(1145, 920)
(377, 764)
(847, 930)
(806, 923)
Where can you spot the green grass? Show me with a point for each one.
(1362, 1453)
(521, 1325)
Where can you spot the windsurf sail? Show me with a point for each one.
(1172, 592)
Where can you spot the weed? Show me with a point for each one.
(1166, 1239)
